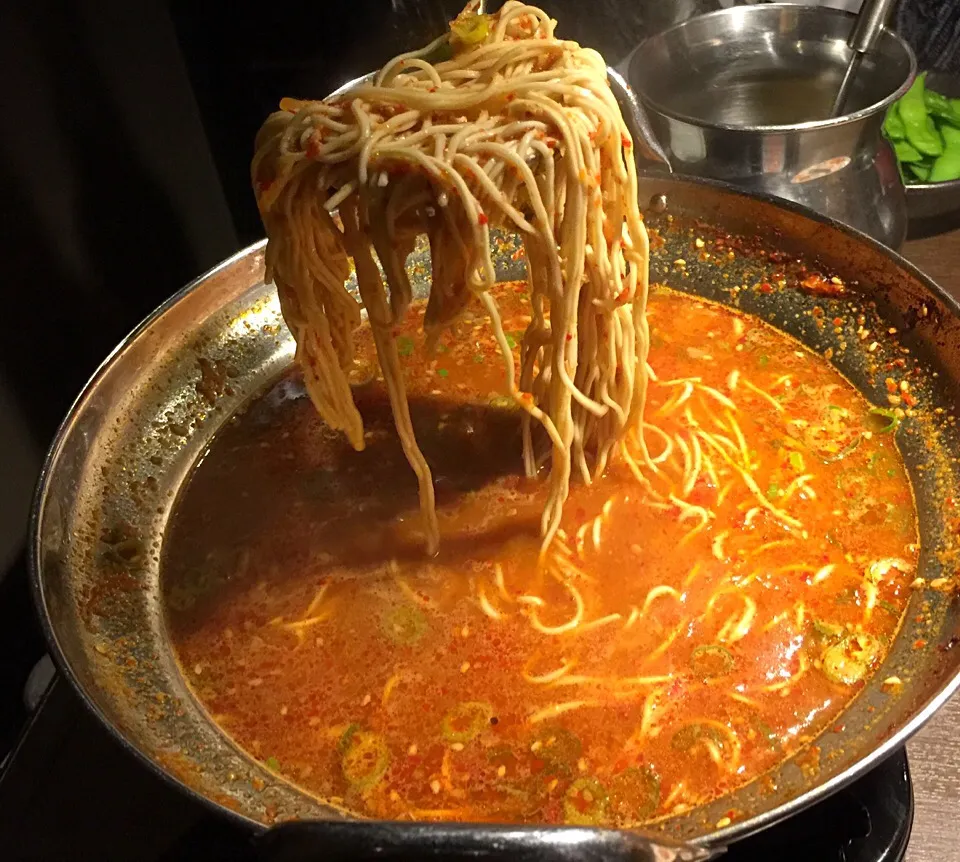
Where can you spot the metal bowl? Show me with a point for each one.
(762, 119)
(929, 200)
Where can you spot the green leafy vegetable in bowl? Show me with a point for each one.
(924, 129)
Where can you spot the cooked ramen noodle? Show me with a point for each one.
(679, 639)
(496, 124)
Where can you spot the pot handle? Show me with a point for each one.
(385, 841)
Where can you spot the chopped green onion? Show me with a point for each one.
(511, 341)
(405, 345)
(466, 721)
(763, 360)
(273, 763)
(796, 461)
(478, 358)
(442, 372)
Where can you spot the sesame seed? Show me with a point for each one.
(465, 667)
(501, 771)
(435, 786)
(412, 750)
(457, 746)
(723, 822)
(366, 700)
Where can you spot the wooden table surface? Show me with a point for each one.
(935, 752)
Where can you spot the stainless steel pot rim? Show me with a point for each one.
(716, 839)
(34, 563)
(811, 125)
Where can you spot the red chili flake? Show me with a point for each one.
(838, 321)
(766, 287)
(839, 728)
(627, 143)
(909, 400)
(432, 90)
(569, 337)
(482, 218)
(265, 186)
(511, 96)
(919, 644)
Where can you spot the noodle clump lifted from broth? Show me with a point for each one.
(498, 124)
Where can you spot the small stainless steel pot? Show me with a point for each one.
(744, 95)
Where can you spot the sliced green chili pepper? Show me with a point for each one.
(947, 166)
(920, 128)
(828, 629)
(634, 795)
(557, 745)
(768, 733)
(404, 624)
(470, 30)
(690, 734)
(710, 660)
(466, 721)
(344, 742)
(849, 661)
(585, 803)
(892, 124)
(886, 413)
(846, 450)
(365, 759)
(906, 152)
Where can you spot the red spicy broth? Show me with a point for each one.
(683, 636)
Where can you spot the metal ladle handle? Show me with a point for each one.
(379, 841)
(869, 24)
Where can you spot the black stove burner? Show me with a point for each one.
(70, 791)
